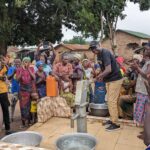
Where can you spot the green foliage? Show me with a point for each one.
(27, 21)
(76, 40)
(85, 15)
(143, 4)
(94, 16)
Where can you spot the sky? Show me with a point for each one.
(135, 20)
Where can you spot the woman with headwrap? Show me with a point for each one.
(63, 70)
(26, 77)
(41, 79)
(78, 72)
(46, 68)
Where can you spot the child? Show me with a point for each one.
(33, 109)
(66, 90)
(88, 75)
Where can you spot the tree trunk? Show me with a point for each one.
(3, 48)
(112, 37)
(102, 27)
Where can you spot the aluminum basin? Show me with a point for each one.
(26, 138)
(76, 141)
(100, 110)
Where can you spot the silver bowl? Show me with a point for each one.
(26, 138)
(76, 141)
(100, 110)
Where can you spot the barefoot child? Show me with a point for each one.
(33, 109)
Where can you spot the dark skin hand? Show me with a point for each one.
(19, 76)
(12, 75)
(31, 73)
(139, 70)
(42, 79)
(107, 70)
(3, 78)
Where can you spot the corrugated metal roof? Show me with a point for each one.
(137, 34)
(73, 47)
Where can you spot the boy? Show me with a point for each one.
(33, 109)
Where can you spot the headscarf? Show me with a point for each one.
(65, 56)
(120, 60)
(39, 63)
(138, 57)
(77, 56)
(84, 60)
(26, 59)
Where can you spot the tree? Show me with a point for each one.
(86, 16)
(27, 21)
(143, 4)
(76, 40)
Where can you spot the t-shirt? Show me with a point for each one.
(106, 58)
(3, 85)
(14, 82)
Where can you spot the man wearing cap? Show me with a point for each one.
(111, 75)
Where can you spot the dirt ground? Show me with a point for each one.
(15, 125)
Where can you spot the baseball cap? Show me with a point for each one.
(93, 45)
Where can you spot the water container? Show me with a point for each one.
(99, 93)
(51, 86)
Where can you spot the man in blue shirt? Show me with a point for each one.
(14, 85)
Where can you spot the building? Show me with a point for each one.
(127, 42)
(72, 49)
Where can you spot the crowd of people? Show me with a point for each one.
(127, 88)
(126, 84)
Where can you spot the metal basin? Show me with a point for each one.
(100, 110)
(26, 138)
(76, 141)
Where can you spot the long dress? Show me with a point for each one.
(26, 88)
(41, 87)
(142, 97)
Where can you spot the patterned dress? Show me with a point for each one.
(141, 97)
(27, 85)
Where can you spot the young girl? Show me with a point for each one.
(40, 79)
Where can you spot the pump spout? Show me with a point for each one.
(74, 116)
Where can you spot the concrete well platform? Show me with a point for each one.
(123, 139)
